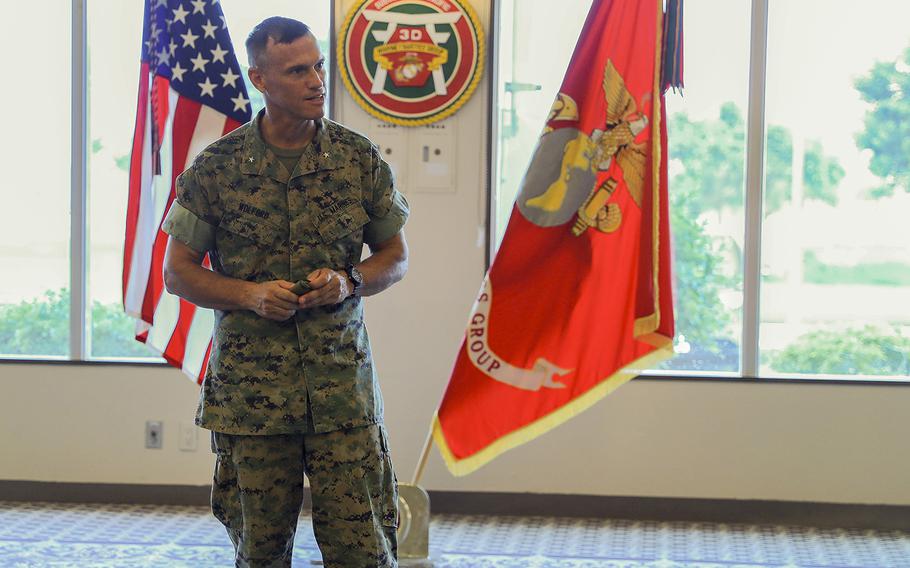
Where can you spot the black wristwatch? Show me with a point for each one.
(356, 277)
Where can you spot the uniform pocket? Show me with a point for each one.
(343, 223)
(251, 249)
(389, 483)
(266, 234)
(225, 498)
(221, 444)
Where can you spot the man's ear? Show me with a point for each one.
(256, 78)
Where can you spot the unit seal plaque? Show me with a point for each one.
(411, 62)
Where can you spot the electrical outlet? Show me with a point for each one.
(154, 430)
(188, 437)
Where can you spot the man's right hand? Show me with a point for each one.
(273, 300)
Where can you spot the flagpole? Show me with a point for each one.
(424, 456)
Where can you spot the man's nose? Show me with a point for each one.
(313, 80)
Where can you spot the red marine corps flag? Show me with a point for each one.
(578, 299)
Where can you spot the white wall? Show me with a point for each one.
(804, 442)
(651, 438)
(87, 424)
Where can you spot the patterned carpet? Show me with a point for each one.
(143, 536)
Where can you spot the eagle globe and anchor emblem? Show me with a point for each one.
(411, 62)
(552, 192)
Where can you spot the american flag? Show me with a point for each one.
(191, 93)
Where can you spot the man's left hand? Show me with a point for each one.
(329, 287)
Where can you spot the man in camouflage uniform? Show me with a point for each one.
(290, 386)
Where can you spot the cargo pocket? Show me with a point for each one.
(389, 484)
(225, 489)
(341, 235)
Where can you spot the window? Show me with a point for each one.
(530, 73)
(35, 319)
(833, 260)
(835, 287)
(113, 75)
(707, 163)
(34, 221)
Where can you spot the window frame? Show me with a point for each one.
(79, 320)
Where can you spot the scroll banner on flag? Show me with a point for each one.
(578, 299)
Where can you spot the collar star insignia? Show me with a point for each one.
(252, 159)
(325, 154)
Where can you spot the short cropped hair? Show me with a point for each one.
(280, 29)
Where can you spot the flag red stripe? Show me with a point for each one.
(229, 125)
(160, 106)
(176, 346)
(132, 207)
(186, 114)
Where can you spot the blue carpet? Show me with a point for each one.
(144, 536)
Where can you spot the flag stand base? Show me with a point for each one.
(414, 516)
(413, 524)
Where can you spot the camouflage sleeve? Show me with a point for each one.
(387, 207)
(191, 218)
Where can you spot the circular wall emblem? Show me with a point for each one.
(411, 62)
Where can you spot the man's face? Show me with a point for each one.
(291, 77)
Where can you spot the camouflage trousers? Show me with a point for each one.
(257, 494)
